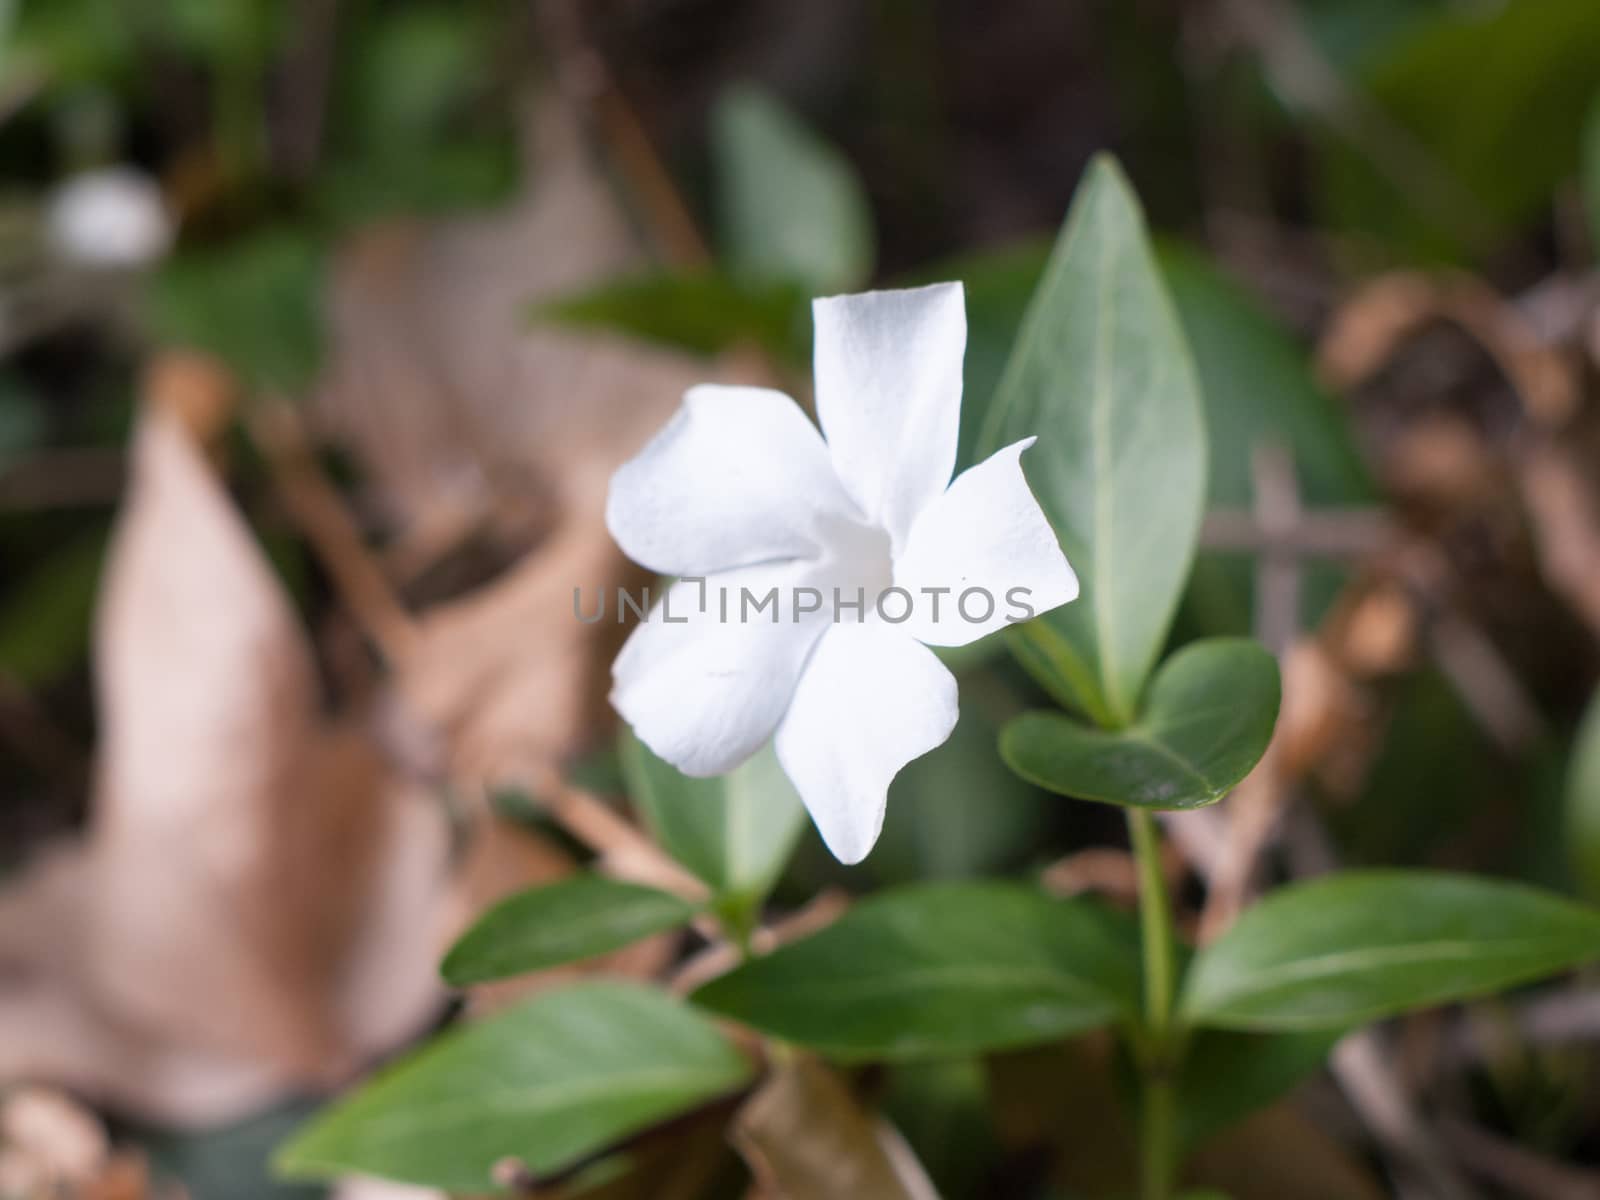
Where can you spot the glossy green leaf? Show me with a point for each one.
(789, 205)
(1102, 375)
(1205, 724)
(548, 1083)
(735, 831)
(1225, 1076)
(1363, 945)
(1583, 803)
(561, 922)
(941, 969)
(700, 313)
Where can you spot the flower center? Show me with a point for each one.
(858, 561)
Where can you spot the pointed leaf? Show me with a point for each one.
(547, 1083)
(564, 921)
(1583, 803)
(1206, 723)
(790, 205)
(1226, 1076)
(941, 969)
(1359, 946)
(735, 832)
(1101, 373)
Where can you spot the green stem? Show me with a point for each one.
(1157, 1127)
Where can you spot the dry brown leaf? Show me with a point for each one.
(454, 401)
(256, 904)
(805, 1137)
(234, 841)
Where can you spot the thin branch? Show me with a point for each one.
(321, 515)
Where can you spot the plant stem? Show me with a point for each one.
(1157, 1126)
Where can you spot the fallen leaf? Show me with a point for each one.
(806, 1137)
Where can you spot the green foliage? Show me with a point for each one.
(938, 970)
(416, 131)
(253, 302)
(1225, 1076)
(735, 832)
(1205, 723)
(547, 1083)
(790, 207)
(1464, 162)
(1583, 804)
(959, 813)
(561, 922)
(44, 622)
(1363, 945)
(1102, 372)
(1258, 388)
(998, 285)
(703, 313)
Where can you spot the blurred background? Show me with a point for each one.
(324, 322)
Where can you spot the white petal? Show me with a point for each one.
(870, 700)
(986, 533)
(703, 693)
(888, 376)
(738, 476)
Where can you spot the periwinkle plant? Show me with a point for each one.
(741, 483)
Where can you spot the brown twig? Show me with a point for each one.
(317, 509)
(588, 81)
(1517, 1169)
(824, 908)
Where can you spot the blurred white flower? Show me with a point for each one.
(739, 496)
(110, 217)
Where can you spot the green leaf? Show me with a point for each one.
(1206, 723)
(46, 615)
(548, 1083)
(1101, 373)
(1226, 1076)
(999, 282)
(938, 970)
(934, 830)
(735, 831)
(254, 303)
(702, 314)
(421, 125)
(790, 206)
(1362, 945)
(1465, 166)
(1258, 388)
(561, 922)
(1583, 803)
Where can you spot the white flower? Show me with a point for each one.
(111, 217)
(740, 490)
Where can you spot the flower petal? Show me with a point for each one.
(888, 377)
(986, 534)
(706, 693)
(737, 476)
(869, 701)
